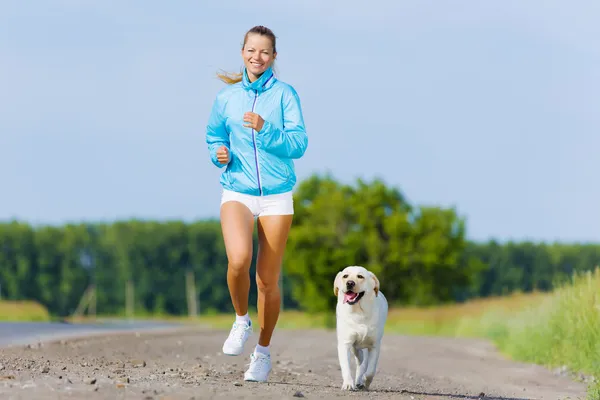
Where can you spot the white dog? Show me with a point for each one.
(361, 312)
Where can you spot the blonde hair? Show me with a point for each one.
(231, 78)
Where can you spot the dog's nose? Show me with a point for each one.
(350, 284)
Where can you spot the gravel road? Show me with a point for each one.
(188, 364)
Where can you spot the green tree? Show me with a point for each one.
(420, 254)
(415, 252)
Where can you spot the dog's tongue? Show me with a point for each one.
(349, 296)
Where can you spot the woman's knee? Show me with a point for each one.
(240, 263)
(237, 224)
(267, 284)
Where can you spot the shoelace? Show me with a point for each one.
(257, 363)
(237, 333)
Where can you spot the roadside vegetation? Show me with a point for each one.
(24, 311)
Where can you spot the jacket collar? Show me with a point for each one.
(266, 80)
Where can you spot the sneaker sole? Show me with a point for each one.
(232, 353)
(254, 380)
(249, 378)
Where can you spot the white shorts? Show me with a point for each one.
(274, 204)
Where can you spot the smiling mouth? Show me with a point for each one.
(256, 64)
(352, 297)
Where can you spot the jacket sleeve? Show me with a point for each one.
(216, 134)
(292, 141)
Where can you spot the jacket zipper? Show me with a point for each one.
(254, 143)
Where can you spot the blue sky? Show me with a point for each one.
(491, 107)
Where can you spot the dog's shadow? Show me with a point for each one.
(480, 396)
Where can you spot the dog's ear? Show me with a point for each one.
(375, 283)
(336, 281)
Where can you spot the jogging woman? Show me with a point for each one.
(255, 130)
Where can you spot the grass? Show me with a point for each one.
(562, 330)
(23, 311)
(469, 319)
(555, 329)
(287, 320)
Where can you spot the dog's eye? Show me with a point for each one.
(360, 277)
(345, 276)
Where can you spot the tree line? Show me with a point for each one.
(421, 255)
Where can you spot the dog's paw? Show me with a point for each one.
(360, 383)
(348, 385)
(368, 380)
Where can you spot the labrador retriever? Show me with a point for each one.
(361, 312)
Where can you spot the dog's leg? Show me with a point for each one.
(344, 358)
(372, 365)
(361, 366)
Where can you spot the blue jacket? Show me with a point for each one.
(261, 163)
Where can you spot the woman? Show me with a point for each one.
(255, 130)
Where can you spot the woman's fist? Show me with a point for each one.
(254, 121)
(223, 155)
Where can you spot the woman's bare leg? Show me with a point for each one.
(273, 232)
(237, 224)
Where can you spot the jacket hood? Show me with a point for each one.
(266, 80)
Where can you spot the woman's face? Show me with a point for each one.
(258, 55)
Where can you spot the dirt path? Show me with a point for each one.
(188, 365)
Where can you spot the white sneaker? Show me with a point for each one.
(239, 334)
(260, 366)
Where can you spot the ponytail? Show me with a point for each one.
(230, 78)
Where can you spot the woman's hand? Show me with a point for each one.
(223, 155)
(254, 121)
